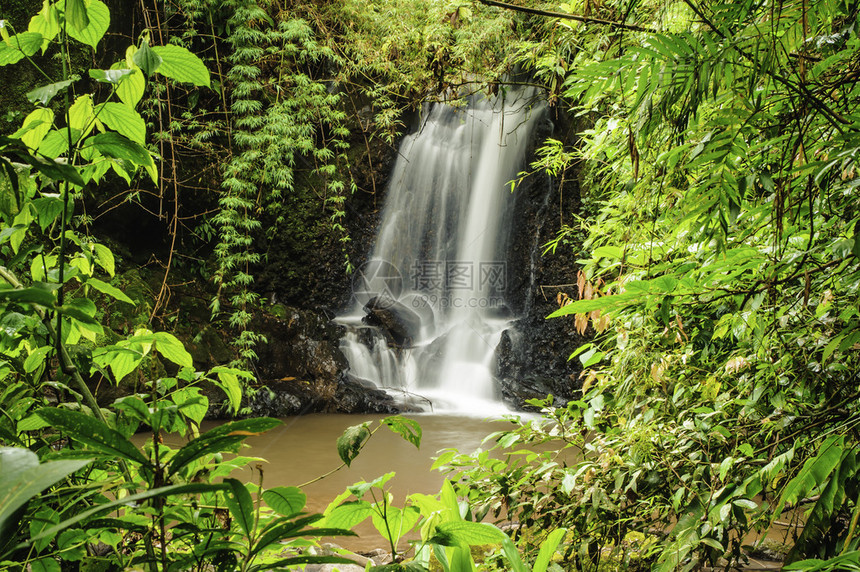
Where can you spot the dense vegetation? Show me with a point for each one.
(717, 253)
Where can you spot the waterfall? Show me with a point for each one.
(429, 305)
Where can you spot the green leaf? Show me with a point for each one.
(122, 119)
(46, 93)
(98, 22)
(472, 533)
(179, 64)
(112, 76)
(22, 478)
(19, 46)
(349, 444)
(76, 14)
(221, 438)
(130, 90)
(56, 143)
(814, 472)
(41, 121)
(112, 291)
(294, 561)
(228, 381)
(104, 258)
(603, 303)
(46, 564)
(54, 170)
(32, 295)
(172, 349)
(114, 145)
(591, 357)
(191, 403)
(81, 309)
(81, 114)
(45, 23)
(36, 358)
(396, 523)
(146, 59)
(241, 505)
(409, 429)
(547, 549)
(515, 562)
(127, 501)
(286, 501)
(349, 514)
(92, 432)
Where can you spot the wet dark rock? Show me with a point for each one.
(532, 356)
(301, 370)
(356, 397)
(399, 323)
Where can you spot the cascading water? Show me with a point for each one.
(430, 302)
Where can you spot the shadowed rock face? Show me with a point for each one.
(400, 324)
(301, 370)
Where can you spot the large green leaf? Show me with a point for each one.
(19, 46)
(112, 76)
(76, 14)
(181, 65)
(32, 295)
(293, 561)
(117, 146)
(221, 438)
(130, 500)
(22, 478)
(472, 533)
(46, 93)
(130, 89)
(349, 514)
(46, 23)
(37, 124)
(110, 290)
(98, 21)
(547, 549)
(146, 59)
(241, 505)
(283, 529)
(53, 170)
(92, 432)
(122, 119)
(814, 473)
(172, 349)
(286, 501)
(396, 523)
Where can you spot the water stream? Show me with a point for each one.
(430, 303)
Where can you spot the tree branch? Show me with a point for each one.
(583, 19)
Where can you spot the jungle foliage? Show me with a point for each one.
(719, 267)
